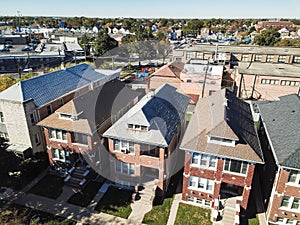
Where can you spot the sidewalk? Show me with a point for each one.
(80, 214)
(174, 208)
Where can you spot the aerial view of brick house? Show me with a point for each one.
(222, 150)
(73, 132)
(280, 127)
(143, 142)
(34, 99)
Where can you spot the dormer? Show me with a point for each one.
(221, 141)
(137, 127)
(68, 116)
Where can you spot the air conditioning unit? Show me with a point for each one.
(124, 150)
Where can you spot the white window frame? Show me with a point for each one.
(205, 182)
(232, 172)
(220, 141)
(290, 201)
(199, 201)
(124, 146)
(270, 58)
(57, 132)
(296, 59)
(209, 163)
(283, 221)
(282, 58)
(297, 180)
(124, 168)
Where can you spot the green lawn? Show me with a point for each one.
(116, 201)
(159, 214)
(253, 221)
(16, 214)
(86, 195)
(192, 215)
(50, 186)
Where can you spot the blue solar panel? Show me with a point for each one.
(46, 88)
(165, 111)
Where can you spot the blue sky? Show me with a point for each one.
(155, 8)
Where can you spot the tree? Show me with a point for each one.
(85, 43)
(6, 82)
(104, 43)
(267, 37)
(193, 27)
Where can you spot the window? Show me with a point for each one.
(221, 141)
(257, 58)
(282, 58)
(201, 184)
(37, 139)
(32, 118)
(189, 55)
(1, 117)
(58, 134)
(270, 58)
(289, 83)
(124, 146)
(61, 155)
(204, 161)
(294, 177)
(49, 109)
(189, 81)
(65, 116)
(269, 81)
(199, 201)
(125, 168)
(81, 138)
(245, 58)
(235, 166)
(296, 59)
(137, 127)
(292, 203)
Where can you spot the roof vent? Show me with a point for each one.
(293, 111)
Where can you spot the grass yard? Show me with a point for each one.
(50, 186)
(16, 214)
(116, 201)
(86, 195)
(253, 221)
(192, 215)
(159, 214)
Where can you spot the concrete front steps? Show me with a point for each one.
(230, 212)
(143, 202)
(77, 177)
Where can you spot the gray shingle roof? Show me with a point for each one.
(223, 115)
(162, 111)
(46, 88)
(282, 122)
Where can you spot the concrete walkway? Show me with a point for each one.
(80, 214)
(174, 208)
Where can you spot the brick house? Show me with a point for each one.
(74, 131)
(222, 150)
(274, 24)
(143, 142)
(169, 73)
(262, 81)
(280, 129)
(27, 102)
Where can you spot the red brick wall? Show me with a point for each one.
(282, 188)
(219, 176)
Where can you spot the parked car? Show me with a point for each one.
(5, 192)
